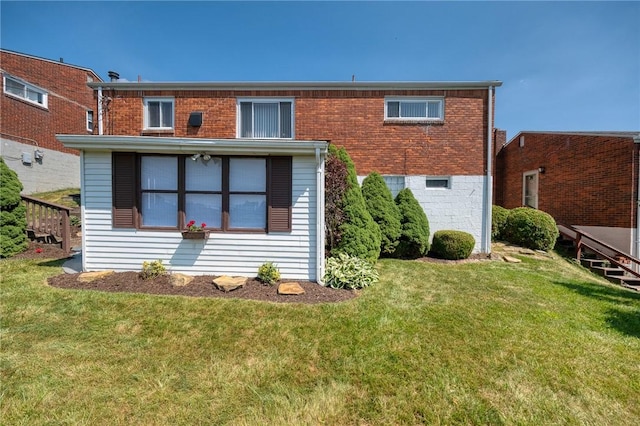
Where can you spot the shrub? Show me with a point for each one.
(13, 219)
(383, 210)
(414, 236)
(360, 235)
(349, 272)
(152, 269)
(452, 245)
(498, 220)
(268, 273)
(335, 186)
(531, 228)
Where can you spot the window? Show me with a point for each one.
(158, 113)
(90, 121)
(226, 193)
(414, 109)
(394, 183)
(265, 118)
(438, 182)
(25, 91)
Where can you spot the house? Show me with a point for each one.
(583, 179)
(248, 160)
(40, 98)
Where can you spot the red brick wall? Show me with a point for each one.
(351, 118)
(69, 99)
(588, 180)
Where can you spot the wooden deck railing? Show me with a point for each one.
(46, 219)
(616, 257)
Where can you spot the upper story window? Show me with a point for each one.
(414, 109)
(90, 121)
(25, 91)
(158, 113)
(265, 118)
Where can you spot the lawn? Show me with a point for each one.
(540, 342)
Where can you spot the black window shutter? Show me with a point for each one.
(124, 189)
(280, 181)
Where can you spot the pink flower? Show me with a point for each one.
(191, 226)
(203, 225)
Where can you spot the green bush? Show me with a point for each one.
(360, 235)
(152, 269)
(384, 211)
(531, 228)
(414, 236)
(13, 219)
(268, 273)
(452, 245)
(498, 219)
(349, 272)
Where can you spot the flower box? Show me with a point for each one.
(195, 235)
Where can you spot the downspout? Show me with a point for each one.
(486, 232)
(636, 140)
(100, 128)
(320, 216)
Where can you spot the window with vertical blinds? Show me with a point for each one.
(414, 109)
(265, 118)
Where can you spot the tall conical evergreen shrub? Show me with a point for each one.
(384, 211)
(360, 235)
(414, 237)
(13, 220)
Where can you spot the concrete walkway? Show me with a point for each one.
(74, 264)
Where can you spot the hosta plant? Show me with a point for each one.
(349, 272)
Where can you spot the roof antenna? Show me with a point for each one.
(353, 78)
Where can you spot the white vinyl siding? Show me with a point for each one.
(235, 253)
(27, 92)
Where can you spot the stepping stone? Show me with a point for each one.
(87, 277)
(180, 280)
(290, 288)
(510, 259)
(227, 283)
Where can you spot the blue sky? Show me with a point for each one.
(564, 65)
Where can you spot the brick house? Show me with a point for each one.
(41, 98)
(584, 179)
(432, 137)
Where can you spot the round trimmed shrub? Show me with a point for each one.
(531, 228)
(13, 219)
(452, 245)
(414, 236)
(498, 219)
(384, 211)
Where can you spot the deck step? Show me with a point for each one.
(590, 263)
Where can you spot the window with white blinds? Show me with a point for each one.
(414, 109)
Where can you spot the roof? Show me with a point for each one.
(52, 61)
(299, 85)
(616, 134)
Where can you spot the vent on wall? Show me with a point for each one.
(195, 119)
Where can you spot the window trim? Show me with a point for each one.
(160, 99)
(426, 99)
(435, 179)
(89, 112)
(127, 193)
(264, 100)
(25, 98)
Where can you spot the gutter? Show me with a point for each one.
(297, 85)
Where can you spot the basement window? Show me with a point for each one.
(22, 90)
(438, 183)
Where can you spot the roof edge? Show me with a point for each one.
(635, 134)
(26, 55)
(298, 85)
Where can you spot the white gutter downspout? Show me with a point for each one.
(100, 128)
(320, 217)
(486, 231)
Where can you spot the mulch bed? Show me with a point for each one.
(201, 286)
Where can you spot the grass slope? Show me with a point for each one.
(478, 343)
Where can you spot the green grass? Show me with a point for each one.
(61, 197)
(541, 342)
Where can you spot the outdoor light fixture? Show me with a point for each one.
(194, 157)
(541, 169)
(206, 157)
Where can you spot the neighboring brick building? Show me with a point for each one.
(435, 138)
(588, 179)
(41, 98)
